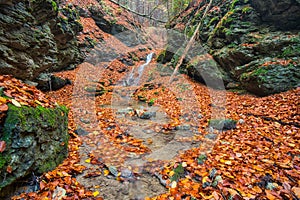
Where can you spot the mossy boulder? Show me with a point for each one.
(271, 76)
(242, 35)
(36, 141)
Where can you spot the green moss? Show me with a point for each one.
(54, 5)
(213, 20)
(189, 31)
(26, 118)
(260, 71)
(47, 166)
(3, 160)
(246, 9)
(161, 56)
(291, 50)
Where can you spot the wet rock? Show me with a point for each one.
(274, 78)
(183, 127)
(255, 44)
(148, 131)
(125, 111)
(211, 136)
(205, 70)
(126, 173)
(81, 132)
(113, 170)
(49, 82)
(283, 14)
(222, 124)
(145, 114)
(161, 180)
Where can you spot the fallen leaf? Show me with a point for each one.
(296, 191)
(173, 184)
(9, 169)
(2, 146)
(269, 195)
(3, 108)
(16, 103)
(96, 193)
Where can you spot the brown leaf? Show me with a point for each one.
(3, 108)
(9, 169)
(296, 190)
(2, 146)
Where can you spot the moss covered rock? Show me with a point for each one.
(243, 36)
(37, 36)
(36, 141)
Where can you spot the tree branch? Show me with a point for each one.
(139, 14)
(188, 46)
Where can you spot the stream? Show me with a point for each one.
(139, 171)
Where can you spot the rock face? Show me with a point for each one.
(34, 131)
(256, 43)
(284, 14)
(36, 141)
(36, 37)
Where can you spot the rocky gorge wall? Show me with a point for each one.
(36, 37)
(33, 133)
(256, 43)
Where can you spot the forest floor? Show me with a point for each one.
(115, 153)
(152, 139)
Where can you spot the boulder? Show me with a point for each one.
(34, 131)
(36, 141)
(256, 43)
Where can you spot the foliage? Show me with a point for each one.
(178, 173)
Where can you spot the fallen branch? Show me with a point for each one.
(139, 14)
(187, 48)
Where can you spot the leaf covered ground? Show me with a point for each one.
(259, 159)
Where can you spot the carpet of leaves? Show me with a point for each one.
(260, 159)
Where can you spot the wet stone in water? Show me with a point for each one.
(126, 173)
(183, 127)
(211, 136)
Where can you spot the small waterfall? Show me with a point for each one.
(133, 79)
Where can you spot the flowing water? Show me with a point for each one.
(134, 77)
(163, 146)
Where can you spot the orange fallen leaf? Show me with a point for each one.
(9, 169)
(3, 108)
(2, 146)
(296, 191)
(269, 195)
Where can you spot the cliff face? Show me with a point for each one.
(256, 43)
(35, 37)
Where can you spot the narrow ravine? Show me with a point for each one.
(134, 134)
